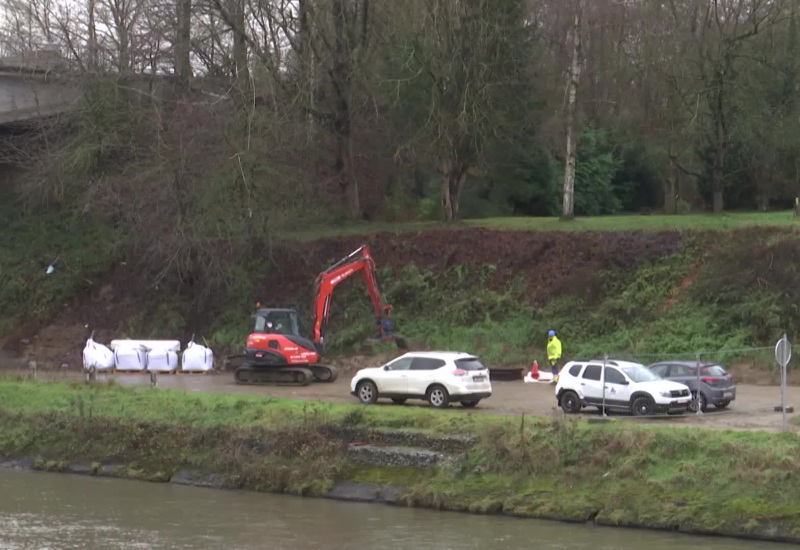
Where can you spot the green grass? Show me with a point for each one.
(735, 483)
(81, 247)
(729, 482)
(631, 222)
(206, 410)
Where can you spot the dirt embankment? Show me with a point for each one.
(550, 263)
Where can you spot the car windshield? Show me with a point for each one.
(640, 374)
(472, 363)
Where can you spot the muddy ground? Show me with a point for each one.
(752, 410)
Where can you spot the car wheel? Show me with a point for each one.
(438, 397)
(398, 400)
(701, 401)
(723, 404)
(470, 404)
(570, 402)
(643, 406)
(367, 392)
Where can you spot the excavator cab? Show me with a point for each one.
(277, 321)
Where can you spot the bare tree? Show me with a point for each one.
(466, 60)
(716, 34)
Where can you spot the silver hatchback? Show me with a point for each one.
(713, 385)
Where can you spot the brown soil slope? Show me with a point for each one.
(548, 261)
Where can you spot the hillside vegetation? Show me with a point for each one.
(490, 291)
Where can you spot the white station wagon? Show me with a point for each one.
(439, 377)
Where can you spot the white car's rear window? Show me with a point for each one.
(471, 363)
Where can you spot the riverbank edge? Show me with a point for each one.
(345, 491)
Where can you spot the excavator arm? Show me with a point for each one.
(358, 261)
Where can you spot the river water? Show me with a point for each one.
(45, 511)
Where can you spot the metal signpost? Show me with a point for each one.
(697, 408)
(783, 353)
(605, 360)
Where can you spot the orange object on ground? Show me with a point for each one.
(535, 370)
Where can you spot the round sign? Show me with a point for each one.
(783, 352)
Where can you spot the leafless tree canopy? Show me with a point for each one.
(374, 108)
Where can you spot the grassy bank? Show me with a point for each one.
(631, 222)
(80, 247)
(700, 481)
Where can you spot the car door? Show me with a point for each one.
(618, 388)
(422, 374)
(590, 384)
(394, 378)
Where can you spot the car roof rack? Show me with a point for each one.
(608, 362)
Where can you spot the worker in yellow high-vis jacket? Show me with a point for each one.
(553, 353)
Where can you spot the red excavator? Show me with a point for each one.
(277, 353)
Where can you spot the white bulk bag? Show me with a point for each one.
(197, 358)
(174, 345)
(129, 358)
(162, 360)
(97, 356)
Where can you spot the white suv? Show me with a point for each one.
(629, 387)
(438, 377)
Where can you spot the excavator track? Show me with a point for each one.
(290, 376)
(324, 373)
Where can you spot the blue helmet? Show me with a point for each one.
(551, 333)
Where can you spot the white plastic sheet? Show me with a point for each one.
(544, 378)
(197, 358)
(97, 356)
(162, 360)
(130, 358)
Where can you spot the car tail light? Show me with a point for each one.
(710, 379)
(459, 372)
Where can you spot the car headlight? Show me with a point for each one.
(665, 394)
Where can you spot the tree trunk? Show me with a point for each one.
(671, 190)
(456, 184)
(790, 72)
(568, 207)
(124, 59)
(447, 205)
(92, 32)
(447, 210)
(453, 177)
(183, 66)
(717, 168)
(240, 46)
(342, 122)
(307, 62)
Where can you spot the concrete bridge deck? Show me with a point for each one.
(31, 87)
